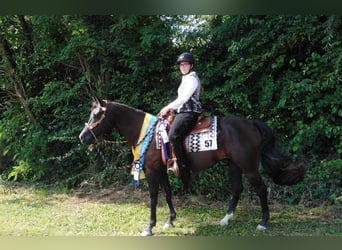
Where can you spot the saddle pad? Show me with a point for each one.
(203, 141)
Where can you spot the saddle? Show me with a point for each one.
(202, 125)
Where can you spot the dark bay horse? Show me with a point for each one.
(242, 143)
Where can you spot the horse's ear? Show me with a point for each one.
(96, 99)
(99, 101)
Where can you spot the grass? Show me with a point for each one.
(28, 211)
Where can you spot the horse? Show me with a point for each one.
(242, 143)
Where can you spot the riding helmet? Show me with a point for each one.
(185, 57)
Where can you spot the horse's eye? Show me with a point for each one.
(97, 113)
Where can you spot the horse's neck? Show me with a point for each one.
(128, 121)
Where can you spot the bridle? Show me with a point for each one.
(96, 145)
(90, 127)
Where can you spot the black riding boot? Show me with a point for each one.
(180, 128)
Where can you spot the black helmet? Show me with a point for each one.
(185, 57)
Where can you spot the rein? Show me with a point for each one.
(139, 149)
(106, 143)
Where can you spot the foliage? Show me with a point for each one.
(284, 70)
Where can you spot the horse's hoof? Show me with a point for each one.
(261, 228)
(223, 222)
(227, 217)
(147, 232)
(168, 225)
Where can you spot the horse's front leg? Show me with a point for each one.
(153, 184)
(168, 196)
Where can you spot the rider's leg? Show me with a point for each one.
(180, 128)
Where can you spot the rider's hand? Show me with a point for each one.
(163, 112)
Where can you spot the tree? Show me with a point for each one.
(14, 58)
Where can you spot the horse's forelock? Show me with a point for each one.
(93, 106)
(96, 104)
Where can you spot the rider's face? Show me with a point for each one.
(185, 67)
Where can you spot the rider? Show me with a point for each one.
(187, 107)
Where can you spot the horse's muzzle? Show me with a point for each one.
(86, 137)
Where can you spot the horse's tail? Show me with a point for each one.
(282, 171)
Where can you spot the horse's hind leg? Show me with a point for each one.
(261, 190)
(168, 196)
(235, 175)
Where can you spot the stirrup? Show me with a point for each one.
(172, 166)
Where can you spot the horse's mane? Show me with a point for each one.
(126, 106)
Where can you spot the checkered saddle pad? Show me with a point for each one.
(203, 140)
